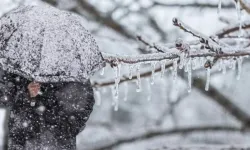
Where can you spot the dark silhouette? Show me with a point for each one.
(50, 120)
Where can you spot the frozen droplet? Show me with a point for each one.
(41, 109)
(5, 98)
(189, 75)
(208, 79)
(239, 62)
(175, 65)
(25, 124)
(97, 95)
(153, 64)
(163, 65)
(125, 91)
(102, 71)
(32, 103)
(12, 115)
(17, 79)
(138, 74)
(40, 92)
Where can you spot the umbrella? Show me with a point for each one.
(45, 44)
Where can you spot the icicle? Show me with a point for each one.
(208, 79)
(130, 72)
(220, 65)
(153, 64)
(125, 91)
(186, 67)
(239, 62)
(149, 97)
(234, 64)
(138, 82)
(175, 65)
(219, 7)
(182, 60)
(231, 63)
(102, 71)
(97, 96)
(238, 9)
(189, 66)
(224, 67)
(194, 64)
(117, 70)
(115, 102)
(163, 64)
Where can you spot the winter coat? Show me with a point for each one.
(49, 121)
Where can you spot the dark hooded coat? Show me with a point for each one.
(50, 121)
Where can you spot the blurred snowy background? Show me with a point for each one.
(164, 113)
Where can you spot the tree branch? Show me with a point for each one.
(232, 28)
(245, 6)
(108, 21)
(166, 132)
(193, 5)
(131, 59)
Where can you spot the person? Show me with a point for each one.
(45, 115)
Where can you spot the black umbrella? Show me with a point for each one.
(47, 45)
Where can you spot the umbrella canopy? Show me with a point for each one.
(45, 44)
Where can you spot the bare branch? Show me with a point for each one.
(108, 21)
(232, 28)
(154, 133)
(245, 6)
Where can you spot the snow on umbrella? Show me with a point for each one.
(44, 44)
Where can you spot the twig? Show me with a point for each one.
(232, 28)
(142, 40)
(245, 6)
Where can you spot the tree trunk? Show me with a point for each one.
(51, 120)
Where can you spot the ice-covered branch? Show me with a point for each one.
(132, 59)
(161, 132)
(211, 44)
(192, 5)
